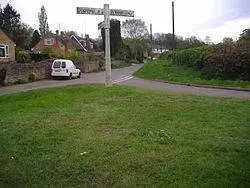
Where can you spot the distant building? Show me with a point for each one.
(60, 43)
(7, 48)
(158, 49)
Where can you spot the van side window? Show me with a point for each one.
(63, 65)
(57, 64)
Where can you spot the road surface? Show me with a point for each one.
(125, 76)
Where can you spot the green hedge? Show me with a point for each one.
(23, 56)
(39, 57)
(193, 57)
(223, 61)
(228, 62)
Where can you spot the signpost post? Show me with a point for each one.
(106, 25)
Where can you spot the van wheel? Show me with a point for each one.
(70, 76)
(79, 75)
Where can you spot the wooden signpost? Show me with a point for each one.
(106, 25)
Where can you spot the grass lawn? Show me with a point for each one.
(92, 136)
(165, 70)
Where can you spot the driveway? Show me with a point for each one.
(124, 76)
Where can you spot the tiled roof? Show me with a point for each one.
(70, 41)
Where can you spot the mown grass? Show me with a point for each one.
(166, 70)
(92, 136)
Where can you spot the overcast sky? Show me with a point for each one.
(201, 18)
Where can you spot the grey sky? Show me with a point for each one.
(215, 18)
(227, 10)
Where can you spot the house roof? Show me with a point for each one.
(71, 41)
(77, 41)
(1, 31)
(84, 39)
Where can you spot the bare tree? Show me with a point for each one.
(164, 40)
(136, 33)
(227, 40)
(207, 40)
(135, 29)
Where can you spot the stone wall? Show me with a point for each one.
(17, 72)
(90, 66)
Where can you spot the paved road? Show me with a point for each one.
(124, 76)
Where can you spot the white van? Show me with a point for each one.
(65, 68)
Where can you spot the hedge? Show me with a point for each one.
(23, 56)
(39, 57)
(223, 61)
(228, 62)
(192, 57)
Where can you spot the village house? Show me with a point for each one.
(158, 49)
(7, 48)
(57, 44)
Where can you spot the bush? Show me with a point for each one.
(133, 62)
(21, 81)
(101, 65)
(23, 56)
(39, 57)
(223, 61)
(47, 50)
(228, 61)
(2, 75)
(90, 57)
(72, 55)
(76, 56)
(34, 77)
(124, 53)
(193, 57)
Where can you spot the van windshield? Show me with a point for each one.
(57, 64)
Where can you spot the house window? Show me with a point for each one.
(4, 50)
(49, 41)
(7, 51)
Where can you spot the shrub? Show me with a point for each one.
(47, 50)
(166, 55)
(71, 54)
(39, 57)
(228, 61)
(193, 57)
(21, 81)
(2, 75)
(124, 53)
(23, 56)
(223, 61)
(101, 65)
(90, 57)
(34, 77)
(133, 62)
